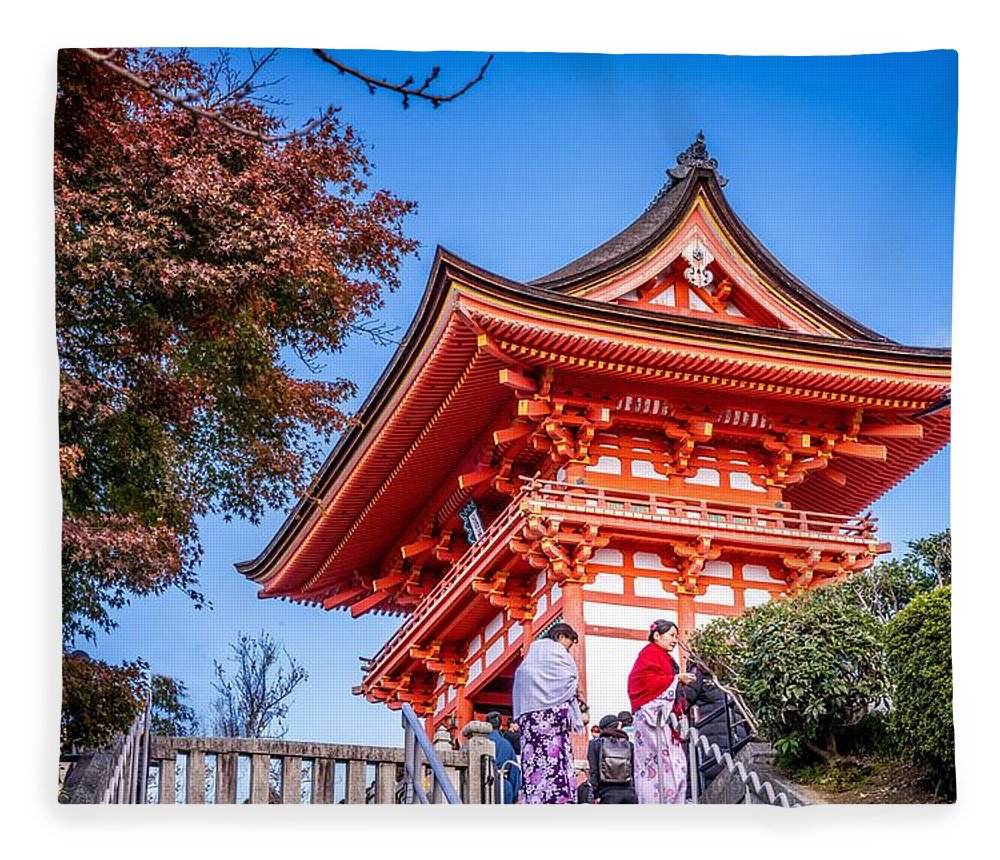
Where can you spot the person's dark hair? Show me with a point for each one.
(493, 718)
(661, 626)
(562, 629)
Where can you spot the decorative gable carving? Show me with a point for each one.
(698, 274)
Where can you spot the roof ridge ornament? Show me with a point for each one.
(696, 155)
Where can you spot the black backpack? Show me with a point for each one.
(615, 762)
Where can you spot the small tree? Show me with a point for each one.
(809, 666)
(171, 716)
(889, 586)
(99, 701)
(253, 701)
(918, 647)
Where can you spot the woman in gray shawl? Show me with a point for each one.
(547, 709)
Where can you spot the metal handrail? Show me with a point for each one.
(503, 774)
(416, 744)
(700, 761)
(700, 745)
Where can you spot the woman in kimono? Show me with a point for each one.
(660, 762)
(547, 708)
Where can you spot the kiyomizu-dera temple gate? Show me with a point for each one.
(672, 426)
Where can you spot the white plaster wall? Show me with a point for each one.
(707, 477)
(647, 586)
(758, 573)
(721, 569)
(721, 594)
(608, 663)
(701, 619)
(541, 606)
(607, 466)
(625, 617)
(647, 561)
(608, 557)
(644, 469)
(493, 627)
(743, 481)
(610, 583)
(495, 650)
(755, 597)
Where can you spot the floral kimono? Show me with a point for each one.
(546, 710)
(660, 761)
(547, 756)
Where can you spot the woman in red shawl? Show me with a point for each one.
(660, 763)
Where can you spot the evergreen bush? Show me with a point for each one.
(918, 648)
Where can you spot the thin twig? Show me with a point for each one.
(381, 333)
(733, 691)
(405, 89)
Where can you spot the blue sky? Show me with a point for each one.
(843, 166)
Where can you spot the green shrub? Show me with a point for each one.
(918, 647)
(808, 666)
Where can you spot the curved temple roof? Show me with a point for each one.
(695, 171)
(428, 403)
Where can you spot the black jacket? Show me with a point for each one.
(712, 702)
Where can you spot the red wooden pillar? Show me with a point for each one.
(572, 614)
(685, 622)
(463, 709)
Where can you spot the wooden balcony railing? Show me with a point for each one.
(558, 495)
(542, 496)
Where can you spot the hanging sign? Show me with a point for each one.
(471, 521)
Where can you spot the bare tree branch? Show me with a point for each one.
(226, 88)
(406, 88)
(381, 333)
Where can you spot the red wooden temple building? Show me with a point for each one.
(671, 426)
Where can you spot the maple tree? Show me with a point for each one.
(191, 263)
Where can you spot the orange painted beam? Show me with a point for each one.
(389, 581)
(862, 449)
(533, 409)
(835, 475)
(517, 380)
(470, 479)
(510, 434)
(893, 431)
(362, 606)
(413, 549)
(340, 599)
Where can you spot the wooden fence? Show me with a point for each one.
(243, 770)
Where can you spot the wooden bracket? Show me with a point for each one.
(801, 569)
(562, 551)
(691, 558)
(683, 433)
